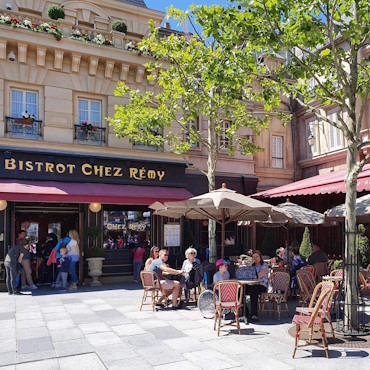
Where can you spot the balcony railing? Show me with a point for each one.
(95, 137)
(23, 128)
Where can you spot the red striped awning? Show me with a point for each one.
(69, 192)
(328, 183)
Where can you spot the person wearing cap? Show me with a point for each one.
(222, 273)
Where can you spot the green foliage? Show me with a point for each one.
(94, 252)
(56, 11)
(119, 26)
(338, 264)
(269, 243)
(306, 249)
(363, 249)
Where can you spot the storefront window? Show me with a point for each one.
(126, 229)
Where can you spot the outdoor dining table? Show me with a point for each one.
(332, 278)
(244, 283)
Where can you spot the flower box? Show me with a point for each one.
(23, 121)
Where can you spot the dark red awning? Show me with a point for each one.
(69, 192)
(332, 182)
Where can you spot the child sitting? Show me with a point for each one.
(222, 273)
(63, 265)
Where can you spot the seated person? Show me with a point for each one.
(297, 263)
(222, 273)
(255, 290)
(317, 256)
(190, 255)
(154, 254)
(159, 266)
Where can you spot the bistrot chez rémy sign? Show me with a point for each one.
(56, 167)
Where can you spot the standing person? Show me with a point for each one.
(255, 290)
(63, 264)
(138, 261)
(120, 242)
(153, 255)
(73, 248)
(14, 256)
(22, 235)
(26, 277)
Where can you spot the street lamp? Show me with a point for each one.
(95, 207)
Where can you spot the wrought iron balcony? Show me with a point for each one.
(23, 128)
(92, 137)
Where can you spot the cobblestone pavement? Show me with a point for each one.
(104, 329)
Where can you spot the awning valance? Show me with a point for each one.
(332, 182)
(69, 192)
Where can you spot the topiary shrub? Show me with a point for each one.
(119, 26)
(268, 247)
(306, 249)
(56, 11)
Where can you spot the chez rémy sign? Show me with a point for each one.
(56, 167)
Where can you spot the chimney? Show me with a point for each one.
(167, 25)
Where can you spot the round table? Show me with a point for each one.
(332, 278)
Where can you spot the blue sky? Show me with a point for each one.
(181, 4)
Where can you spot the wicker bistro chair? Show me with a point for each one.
(152, 287)
(320, 287)
(280, 289)
(306, 286)
(312, 323)
(227, 295)
(311, 270)
(363, 283)
(321, 269)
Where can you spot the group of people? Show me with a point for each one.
(65, 254)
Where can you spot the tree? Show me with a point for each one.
(269, 243)
(210, 74)
(306, 246)
(325, 41)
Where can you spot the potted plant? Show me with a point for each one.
(119, 26)
(56, 11)
(94, 256)
(27, 119)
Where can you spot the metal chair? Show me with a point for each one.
(280, 288)
(311, 323)
(152, 286)
(320, 287)
(363, 283)
(227, 295)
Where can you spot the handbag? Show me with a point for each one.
(246, 273)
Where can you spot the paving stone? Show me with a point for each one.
(116, 352)
(7, 316)
(7, 333)
(101, 307)
(7, 345)
(30, 323)
(107, 313)
(138, 364)
(142, 341)
(159, 355)
(167, 333)
(118, 320)
(128, 329)
(152, 323)
(53, 309)
(101, 339)
(140, 315)
(8, 358)
(36, 356)
(70, 300)
(64, 334)
(183, 365)
(83, 319)
(269, 362)
(36, 315)
(36, 345)
(31, 333)
(93, 327)
(184, 344)
(60, 324)
(211, 359)
(73, 347)
(51, 364)
(88, 361)
(228, 346)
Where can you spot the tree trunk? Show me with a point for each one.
(211, 175)
(350, 251)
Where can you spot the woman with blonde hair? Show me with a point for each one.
(73, 248)
(190, 254)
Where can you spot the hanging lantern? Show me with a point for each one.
(3, 204)
(95, 207)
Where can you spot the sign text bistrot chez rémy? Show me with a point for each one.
(56, 167)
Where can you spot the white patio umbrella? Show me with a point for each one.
(362, 208)
(222, 205)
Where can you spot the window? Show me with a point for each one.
(277, 152)
(335, 134)
(90, 111)
(146, 146)
(195, 126)
(23, 100)
(224, 140)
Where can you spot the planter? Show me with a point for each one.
(23, 121)
(95, 265)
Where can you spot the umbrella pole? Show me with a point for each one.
(223, 234)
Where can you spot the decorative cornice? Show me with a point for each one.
(124, 71)
(93, 65)
(22, 52)
(140, 74)
(109, 66)
(41, 56)
(58, 59)
(76, 60)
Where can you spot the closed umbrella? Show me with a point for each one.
(222, 205)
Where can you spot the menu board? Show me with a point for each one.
(171, 235)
